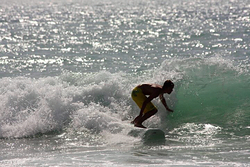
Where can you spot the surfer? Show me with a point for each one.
(144, 94)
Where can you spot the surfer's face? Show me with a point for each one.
(168, 90)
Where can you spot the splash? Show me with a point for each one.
(32, 106)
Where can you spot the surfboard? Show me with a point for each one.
(149, 136)
(153, 136)
(136, 132)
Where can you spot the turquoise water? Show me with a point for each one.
(67, 69)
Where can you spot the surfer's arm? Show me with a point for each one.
(163, 101)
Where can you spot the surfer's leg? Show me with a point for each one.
(136, 120)
(139, 121)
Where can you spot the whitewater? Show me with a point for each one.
(67, 69)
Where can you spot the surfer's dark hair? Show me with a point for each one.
(167, 84)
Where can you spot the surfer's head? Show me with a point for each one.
(168, 86)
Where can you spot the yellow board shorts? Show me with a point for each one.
(139, 98)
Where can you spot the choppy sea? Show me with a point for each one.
(67, 68)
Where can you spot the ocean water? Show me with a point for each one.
(67, 68)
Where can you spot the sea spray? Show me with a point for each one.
(32, 106)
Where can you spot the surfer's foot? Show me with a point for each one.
(140, 126)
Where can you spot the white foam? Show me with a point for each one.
(32, 106)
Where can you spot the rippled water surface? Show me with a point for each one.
(46, 38)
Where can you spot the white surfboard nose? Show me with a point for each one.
(154, 137)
